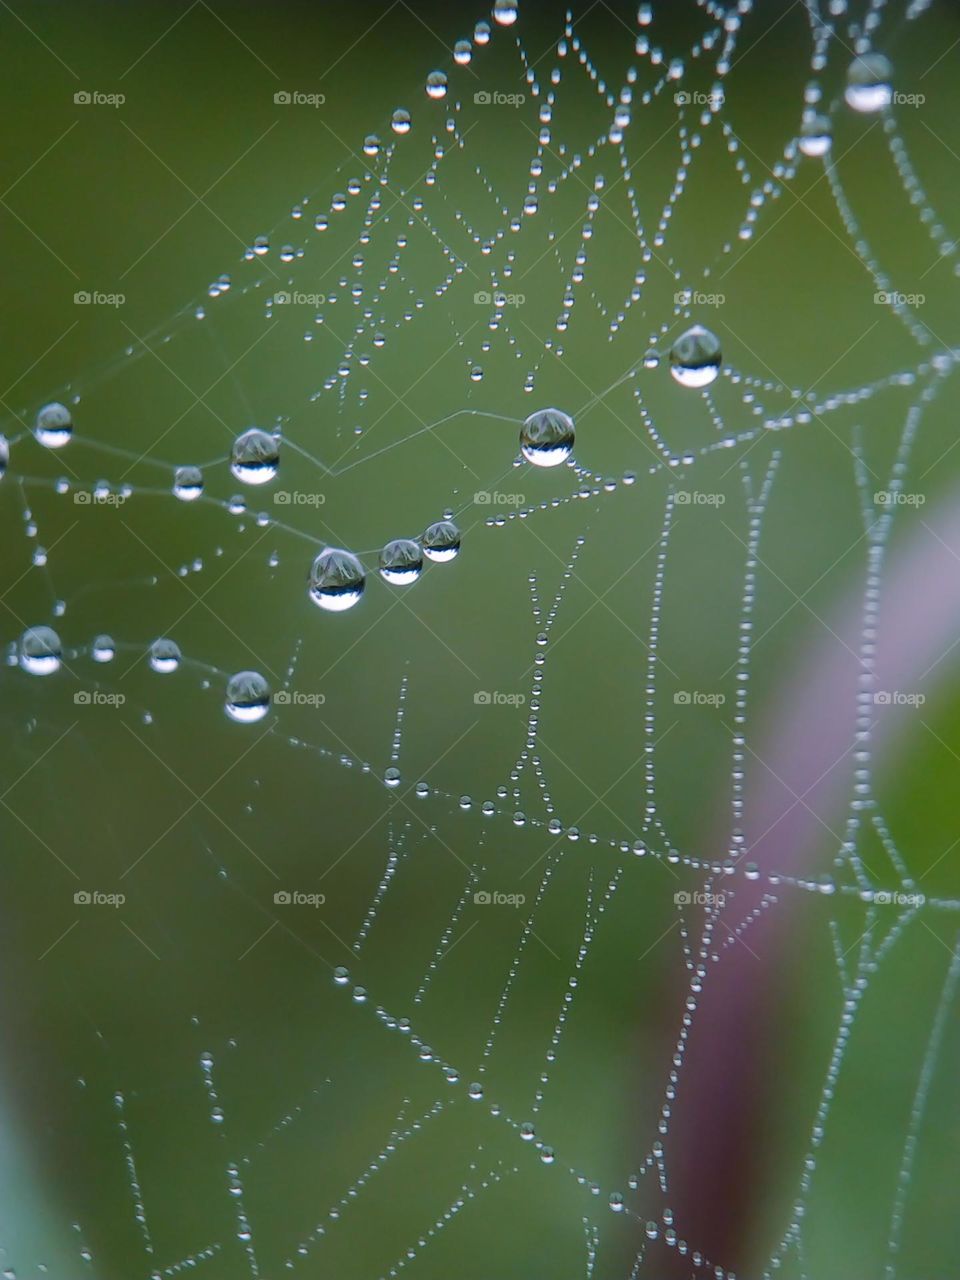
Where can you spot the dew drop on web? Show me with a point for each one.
(248, 697)
(164, 656)
(187, 483)
(40, 651)
(441, 541)
(401, 562)
(255, 457)
(695, 357)
(54, 425)
(869, 83)
(337, 580)
(547, 437)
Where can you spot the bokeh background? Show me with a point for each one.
(822, 1028)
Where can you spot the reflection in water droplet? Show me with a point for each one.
(441, 542)
(505, 12)
(401, 562)
(816, 136)
(391, 776)
(695, 357)
(248, 697)
(337, 580)
(54, 425)
(546, 438)
(187, 483)
(869, 83)
(103, 649)
(164, 655)
(437, 85)
(40, 651)
(255, 457)
(401, 121)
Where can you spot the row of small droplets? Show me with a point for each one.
(234, 1184)
(444, 944)
(916, 194)
(863, 251)
(395, 841)
(466, 1195)
(756, 510)
(650, 691)
(398, 1136)
(139, 1211)
(539, 662)
(590, 926)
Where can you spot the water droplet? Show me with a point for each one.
(54, 425)
(391, 777)
(187, 483)
(255, 457)
(505, 12)
(103, 649)
(437, 85)
(401, 562)
(546, 438)
(4, 456)
(401, 121)
(816, 136)
(40, 651)
(475, 1091)
(441, 542)
(164, 655)
(341, 975)
(248, 697)
(869, 83)
(695, 357)
(337, 580)
(371, 144)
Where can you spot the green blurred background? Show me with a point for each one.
(199, 821)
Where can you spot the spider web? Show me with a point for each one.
(533, 868)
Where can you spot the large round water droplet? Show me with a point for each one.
(441, 541)
(695, 357)
(248, 697)
(437, 85)
(187, 483)
(255, 457)
(103, 649)
(505, 12)
(869, 83)
(164, 655)
(816, 136)
(40, 651)
(546, 438)
(336, 580)
(401, 121)
(54, 425)
(401, 562)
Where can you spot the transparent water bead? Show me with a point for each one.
(869, 83)
(103, 649)
(391, 777)
(54, 425)
(40, 651)
(816, 137)
(164, 655)
(437, 85)
(695, 357)
(505, 12)
(248, 697)
(187, 483)
(546, 437)
(337, 580)
(400, 121)
(441, 542)
(255, 457)
(4, 456)
(401, 562)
